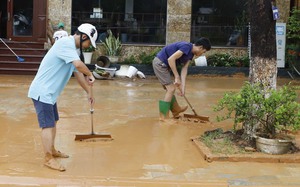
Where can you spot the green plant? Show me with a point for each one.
(293, 38)
(142, 58)
(227, 60)
(130, 60)
(89, 49)
(112, 45)
(218, 143)
(293, 27)
(293, 54)
(262, 111)
(243, 61)
(147, 58)
(220, 59)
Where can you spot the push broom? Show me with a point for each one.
(195, 116)
(202, 118)
(18, 58)
(93, 135)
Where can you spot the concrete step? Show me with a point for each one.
(31, 52)
(15, 64)
(23, 51)
(16, 44)
(18, 71)
(27, 58)
(19, 68)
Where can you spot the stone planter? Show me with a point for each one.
(273, 146)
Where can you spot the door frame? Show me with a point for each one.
(39, 22)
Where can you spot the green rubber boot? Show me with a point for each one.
(164, 108)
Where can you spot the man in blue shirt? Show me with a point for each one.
(55, 70)
(166, 61)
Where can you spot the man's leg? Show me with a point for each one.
(170, 90)
(55, 152)
(47, 115)
(47, 141)
(164, 106)
(162, 72)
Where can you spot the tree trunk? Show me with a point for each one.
(263, 65)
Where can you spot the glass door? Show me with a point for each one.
(26, 20)
(22, 17)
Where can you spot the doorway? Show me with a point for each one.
(3, 18)
(26, 20)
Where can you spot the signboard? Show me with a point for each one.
(280, 44)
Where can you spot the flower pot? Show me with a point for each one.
(273, 146)
(87, 57)
(201, 61)
(103, 61)
(132, 71)
(113, 59)
(122, 72)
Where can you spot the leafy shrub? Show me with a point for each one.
(243, 61)
(130, 60)
(145, 58)
(226, 60)
(262, 111)
(89, 49)
(293, 27)
(142, 58)
(112, 45)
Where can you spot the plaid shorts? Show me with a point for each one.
(162, 72)
(47, 114)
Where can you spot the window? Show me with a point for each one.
(139, 21)
(223, 22)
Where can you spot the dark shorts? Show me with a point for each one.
(47, 114)
(162, 72)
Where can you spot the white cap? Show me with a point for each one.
(90, 31)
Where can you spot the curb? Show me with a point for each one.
(147, 69)
(257, 157)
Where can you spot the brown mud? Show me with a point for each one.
(144, 151)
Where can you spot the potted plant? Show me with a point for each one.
(293, 39)
(262, 114)
(88, 54)
(112, 46)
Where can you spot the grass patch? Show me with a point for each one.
(221, 143)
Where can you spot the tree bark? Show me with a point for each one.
(263, 65)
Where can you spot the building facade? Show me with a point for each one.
(141, 25)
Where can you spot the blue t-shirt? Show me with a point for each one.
(169, 50)
(55, 71)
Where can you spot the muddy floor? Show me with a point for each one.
(144, 152)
